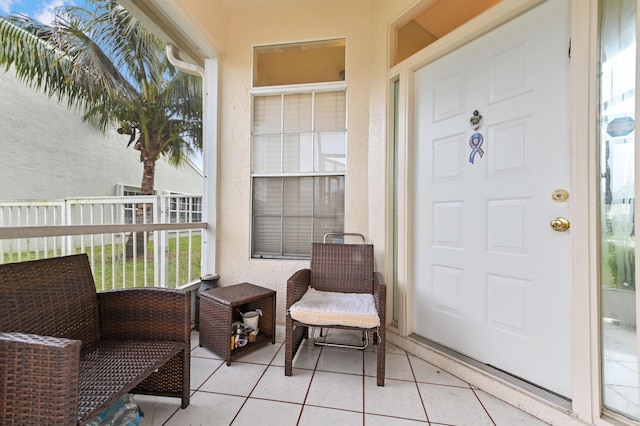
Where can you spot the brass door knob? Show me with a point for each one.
(559, 224)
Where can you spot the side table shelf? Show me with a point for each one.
(221, 306)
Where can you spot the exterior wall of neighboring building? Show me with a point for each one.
(48, 152)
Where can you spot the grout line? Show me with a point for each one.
(313, 373)
(415, 380)
(481, 404)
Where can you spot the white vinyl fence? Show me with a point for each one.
(131, 241)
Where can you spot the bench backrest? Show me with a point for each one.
(50, 297)
(346, 268)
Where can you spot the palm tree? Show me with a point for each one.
(101, 60)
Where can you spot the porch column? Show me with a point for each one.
(210, 164)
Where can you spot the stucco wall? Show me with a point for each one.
(364, 25)
(271, 26)
(49, 153)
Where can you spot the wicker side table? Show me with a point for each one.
(220, 307)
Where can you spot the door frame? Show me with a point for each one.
(586, 389)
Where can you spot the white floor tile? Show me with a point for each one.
(428, 373)
(340, 360)
(280, 333)
(195, 339)
(331, 386)
(319, 416)
(504, 414)
(201, 369)
(396, 366)
(268, 413)
(397, 398)
(375, 420)
(236, 379)
(336, 390)
(276, 386)
(279, 358)
(443, 404)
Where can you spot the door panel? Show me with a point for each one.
(491, 278)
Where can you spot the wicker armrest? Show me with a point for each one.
(38, 379)
(145, 314)
(380, 295)
(297, 286)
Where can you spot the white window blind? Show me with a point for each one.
(298, 169)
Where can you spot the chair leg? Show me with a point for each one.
(380, 350)
(294, 335)
(288, 347)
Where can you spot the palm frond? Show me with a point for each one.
(133, 47)
(26, 45)
(183, 95)
(102, 59)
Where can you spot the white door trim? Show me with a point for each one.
(584, 213)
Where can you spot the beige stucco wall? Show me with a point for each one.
(49, 153)
(278, 25)
(364, 25)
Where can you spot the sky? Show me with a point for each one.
(42, 10)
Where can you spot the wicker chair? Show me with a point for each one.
(343, 269)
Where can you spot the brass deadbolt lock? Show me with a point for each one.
(560, 195)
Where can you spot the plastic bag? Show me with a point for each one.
(123, 412)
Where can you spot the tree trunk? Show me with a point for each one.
(143, 211)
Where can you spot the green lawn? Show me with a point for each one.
(108, 265)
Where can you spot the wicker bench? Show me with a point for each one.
(67, 352)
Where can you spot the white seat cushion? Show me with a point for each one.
(334, 308)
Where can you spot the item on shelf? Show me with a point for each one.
(251, 318)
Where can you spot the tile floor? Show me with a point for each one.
(329, 386)
(620, 369)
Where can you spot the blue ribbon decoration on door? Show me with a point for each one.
(475, 143)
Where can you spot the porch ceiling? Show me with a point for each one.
(172, 22)
(235, 6)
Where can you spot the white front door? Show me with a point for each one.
(491, 277)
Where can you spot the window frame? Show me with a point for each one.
(284, 90)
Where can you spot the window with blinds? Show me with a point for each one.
(298, 170)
